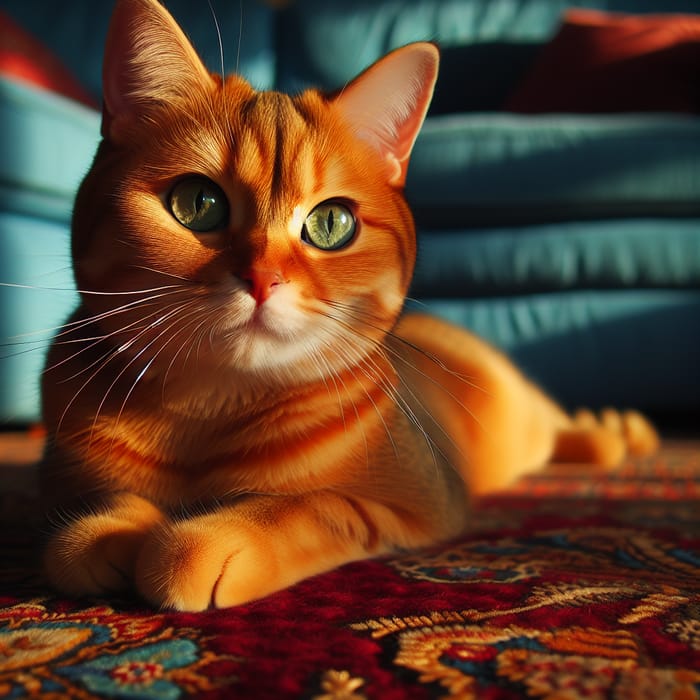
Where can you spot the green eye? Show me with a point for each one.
(199, 204)
(330, 226)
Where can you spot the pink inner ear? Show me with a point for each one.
(386, 105)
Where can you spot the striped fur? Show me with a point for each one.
(234, 410)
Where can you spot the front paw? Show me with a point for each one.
(92, 556)
(96, 553)
(195, 564)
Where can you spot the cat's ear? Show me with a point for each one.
(148, 60)
(387, 103)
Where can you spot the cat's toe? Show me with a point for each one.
(192, 566)
(178, 568)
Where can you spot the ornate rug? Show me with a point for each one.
(573, 584)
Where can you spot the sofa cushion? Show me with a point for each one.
(601, 62)
(324, 44)
(608, 254)
(36, 296)
(46, 146)
(596, 348)
(478, 170)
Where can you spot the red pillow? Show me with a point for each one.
(24, 58)
(600, 62)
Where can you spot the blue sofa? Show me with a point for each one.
(570, 240)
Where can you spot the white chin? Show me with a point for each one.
(272, 337)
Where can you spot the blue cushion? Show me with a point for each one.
(34, 254)
(498, 169)
(324, 43)
(609, 254)
(47, 143)
(625, 348)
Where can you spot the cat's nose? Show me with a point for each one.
(261, 282)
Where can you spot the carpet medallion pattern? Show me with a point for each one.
(571, 585)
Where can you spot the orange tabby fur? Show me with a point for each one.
(232, 411)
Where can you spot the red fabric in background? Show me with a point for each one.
(608, 62)
(24, 58)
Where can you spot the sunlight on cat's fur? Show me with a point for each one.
(237, 403)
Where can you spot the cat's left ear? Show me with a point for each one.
(387, 103)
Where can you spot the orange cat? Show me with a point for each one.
(237, 404)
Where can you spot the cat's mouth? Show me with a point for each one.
(278, 318)
(265, 324)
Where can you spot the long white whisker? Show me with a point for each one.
(396, 397)
(172, 314)
(218, 36)
(103, 362)
(92, 292)
(70, 326)
(96, 340)
(185, 343)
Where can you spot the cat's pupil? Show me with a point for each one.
(330, 221)
(199, 201)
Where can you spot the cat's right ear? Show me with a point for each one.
(148, 61)
(386, 105)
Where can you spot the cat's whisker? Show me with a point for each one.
(165, 273)
(412, 346)
(356, 411)
(361, 316)
(46, 336)
(403, 405)
(93, 292)
(81, 323)
(350, 339)
(220, 40)
(327, 372)
(392, 392)
(185, 344)
(174, 314)
(102, 363)
(96, 340)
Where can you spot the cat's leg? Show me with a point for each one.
(244, 551)
(499, 424)
(96, 552)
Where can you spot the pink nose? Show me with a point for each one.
(261, 283)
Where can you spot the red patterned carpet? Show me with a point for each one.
(573, 585)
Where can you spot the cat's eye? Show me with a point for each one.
(199, 204)
(331, 225)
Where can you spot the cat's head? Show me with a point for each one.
(268, 232)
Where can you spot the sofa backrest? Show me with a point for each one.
(292, 44)
(325, 43)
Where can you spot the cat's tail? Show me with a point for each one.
(605, 439)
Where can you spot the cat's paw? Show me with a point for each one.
(96, 553)
(194, 565)
(92, 556)
(606, 438)
(638, 435)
